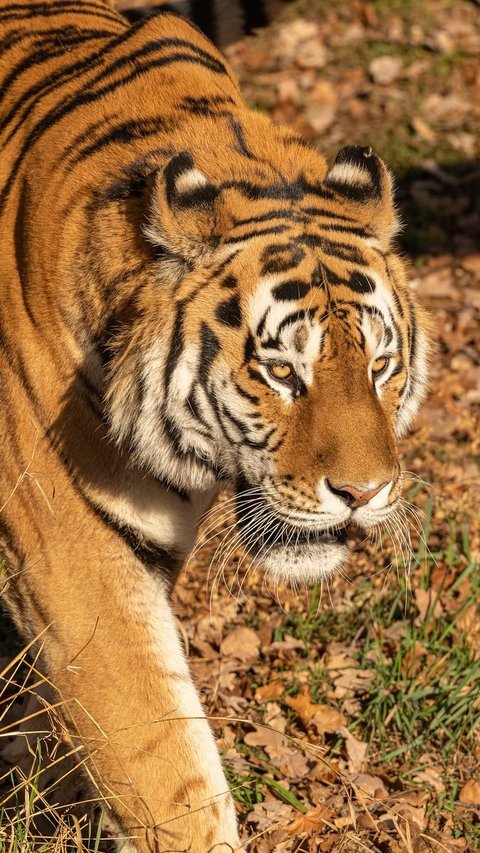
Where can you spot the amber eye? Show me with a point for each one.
(281, 371)
(379, 366)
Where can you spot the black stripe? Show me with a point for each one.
(54, 13)
(289, 215)
(229, 312)
(262, 322)
(323, 211)
(281, 257)
(210, 348)
(244, 430)
(360, 283)
(205, 106)
(238, 132)
(44, 87)
(176, 345)
(290, 319)
(175, 438)
(79, 67)
(44, 54)
(349, 229)
(291, 290)
(123, 133)
(249, 348)
(345, 251)
(284, 191)
(243, 393)
(153, 556)
(229, 282)
(250, 235)
(257, 376)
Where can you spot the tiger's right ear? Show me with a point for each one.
(187, 216)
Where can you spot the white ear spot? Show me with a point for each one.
(190, 180)
(350, 174)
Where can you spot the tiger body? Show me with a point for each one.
(189, 297)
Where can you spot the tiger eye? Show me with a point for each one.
(281, 371)
(380, 365)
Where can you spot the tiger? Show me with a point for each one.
(192, 300)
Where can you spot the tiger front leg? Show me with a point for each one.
(116, 658)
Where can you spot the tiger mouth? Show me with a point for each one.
(263, 531)
(293, 537)
(273, 534)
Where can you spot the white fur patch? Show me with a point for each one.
(191, 180)
(350, 173)
(335, 509)
(304, 564)
(152, 608)
(157, 514)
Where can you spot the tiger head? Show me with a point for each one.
(278, 348)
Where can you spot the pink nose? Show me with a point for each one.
(354, 496)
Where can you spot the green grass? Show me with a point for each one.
(249, 788)
(437, 705)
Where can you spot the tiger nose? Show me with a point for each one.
(355, 496)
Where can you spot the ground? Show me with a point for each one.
(349, 717)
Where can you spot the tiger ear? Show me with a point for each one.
(187, 216)
(362, 179)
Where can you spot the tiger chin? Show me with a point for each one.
(191, 297)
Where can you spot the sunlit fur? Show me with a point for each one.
(163, 247)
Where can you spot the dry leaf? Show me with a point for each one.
(312, 821)
(410, 813)
(356, 750)
(242, 643)
(470, 793)
(323, 717)
(385, 69)
(370, 785)
(432, 778)
(272, 690)
(423, 130)
(265, 815)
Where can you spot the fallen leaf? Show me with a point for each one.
(370, 785)
(272, 690)
(423, 130)
(356, 750)
(470, 793)
(312, 821)
(385, 69)
(323, 717)
(265, 815)
(432, 778)
(241, 643)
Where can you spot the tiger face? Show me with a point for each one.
(295, 356)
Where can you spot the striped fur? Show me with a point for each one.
(189, 297)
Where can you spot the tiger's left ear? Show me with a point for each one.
(361, 179)
(187, 213)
